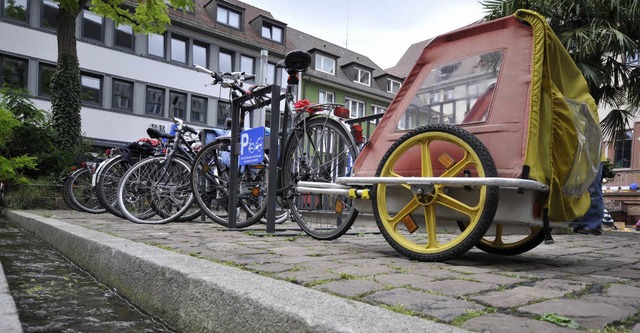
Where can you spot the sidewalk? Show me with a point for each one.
(589, 279)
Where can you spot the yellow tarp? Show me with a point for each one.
(564, 140)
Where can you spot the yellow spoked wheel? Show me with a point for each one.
(420, 221)
(510, 245)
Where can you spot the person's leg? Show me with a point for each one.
(591, 222)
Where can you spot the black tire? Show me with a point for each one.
(321, 151)
(514, 245)
(210, 185)
(107, 183)
(66, 191)
(153, 191)
(81, 193)
(418, 203)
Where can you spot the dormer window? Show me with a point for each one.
(393, 86)
(363, 76)
(228, 17)
(272, 32)
(325, 64)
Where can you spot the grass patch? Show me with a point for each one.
(399, 308)
(33, 196)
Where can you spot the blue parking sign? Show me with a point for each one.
(252, 146)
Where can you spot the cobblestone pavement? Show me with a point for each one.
(591, 280)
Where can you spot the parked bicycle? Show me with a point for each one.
(157, 189)
(319, 147)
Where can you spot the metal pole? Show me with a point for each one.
(273, 159)
(235, 152)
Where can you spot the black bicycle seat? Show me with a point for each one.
(297, 60)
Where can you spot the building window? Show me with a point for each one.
(155, 101)
(270, 75)
(200, 54)
(91, 88)
(272, 32)
(325, 64)
(16, 9)
(178, 105)
(393, 86)
(122, 95)
(375, 109)
(356, 108)
(13, 72)
(228, 17)
(124, 37)
(224, 112)
(44, 79)
(225, 62)
(92, 26)
(156, 45)
(632, 59)
(246, 64)
(198, 109)
(622, 158)
(49, 17)
(178, 49)
(363, 76)
(326, 97)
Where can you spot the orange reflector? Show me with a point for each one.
(258, 166)
(410, 224)
(446, 160)
(205, 168)
(339, 206)
(255, 191)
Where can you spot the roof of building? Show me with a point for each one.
(408, 59)
(345, 57)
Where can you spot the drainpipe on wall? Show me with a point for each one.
(258, 116)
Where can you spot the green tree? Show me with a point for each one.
(599, 35)
(145, 16)
(34, 136)
(11, 167)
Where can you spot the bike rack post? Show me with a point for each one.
(273, 154)
(273, 159)
(235, 152)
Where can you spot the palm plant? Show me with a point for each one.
(600, 35)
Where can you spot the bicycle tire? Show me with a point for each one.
(210, 186)
(321, 151)
(66, 189)
(107, 181)
(81, 192)
(154, 192)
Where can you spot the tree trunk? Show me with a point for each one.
(65, 83)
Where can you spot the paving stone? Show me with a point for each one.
(350, 288)
(587, 314)
(271, 268)
(516, 297)
(497, 279)
(402, 280)
(459, 287)
(563, 286)
(504, 323)
(364, 270)
(624, 273)
(440, 307)
(305, 277)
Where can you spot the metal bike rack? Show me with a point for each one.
(272, 176)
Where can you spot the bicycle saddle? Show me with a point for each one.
(296, 60)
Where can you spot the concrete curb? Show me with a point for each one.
(9, 320)
(195, 295)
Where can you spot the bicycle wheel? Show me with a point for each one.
(509, 244)
(153, 191)
(81, 192)
(66, 191)
(107, 184)
(421, 221)
(210, 186)
(320, 152)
